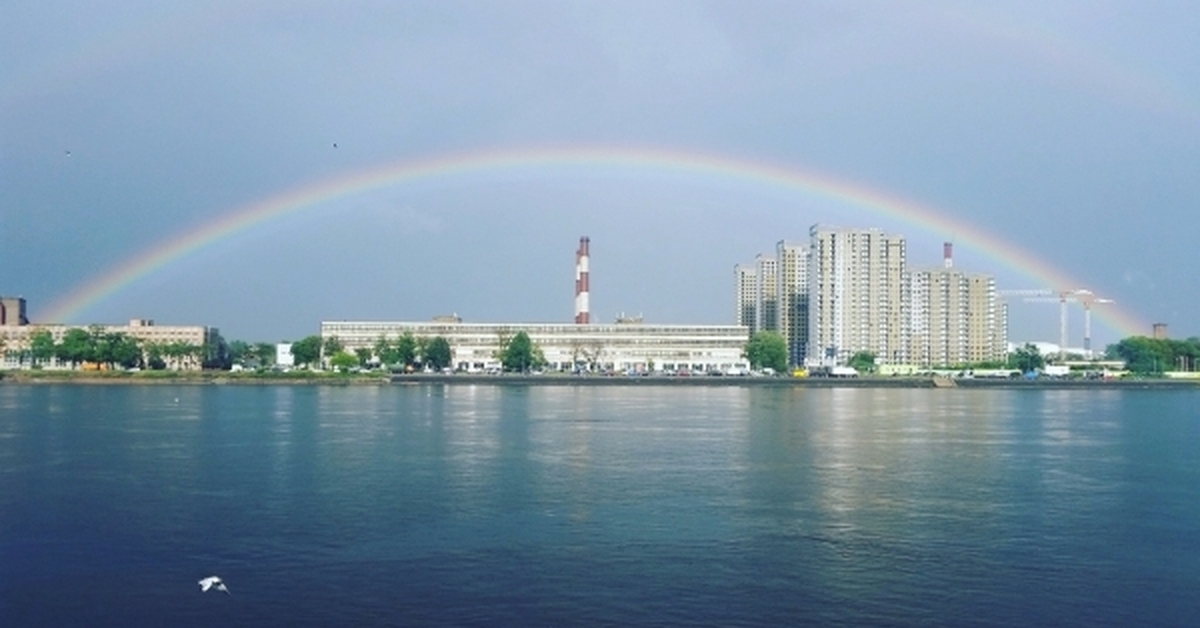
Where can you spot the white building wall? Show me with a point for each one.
(618, 347)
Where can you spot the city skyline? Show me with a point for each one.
(261, 168)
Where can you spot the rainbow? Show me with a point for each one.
(660, 162)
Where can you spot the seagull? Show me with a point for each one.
(211, 582)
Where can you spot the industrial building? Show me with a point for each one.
(619, 347)
(626, 345)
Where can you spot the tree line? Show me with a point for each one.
(1153, 356)
(1142, 355)
(517, 353)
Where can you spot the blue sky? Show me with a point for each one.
(1071, 131)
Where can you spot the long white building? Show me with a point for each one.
(565, 346)
(16, 341)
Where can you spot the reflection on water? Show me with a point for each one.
(605, 505)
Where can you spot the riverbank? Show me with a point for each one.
(321, 378)
(790, 382)
(151, 378)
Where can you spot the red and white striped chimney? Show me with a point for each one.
(948, 254)
(581, 282)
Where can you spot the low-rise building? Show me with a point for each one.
(565, 346)
(16, 342)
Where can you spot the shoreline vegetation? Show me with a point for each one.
(324, 378)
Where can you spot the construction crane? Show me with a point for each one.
(1079, 295)
(1088, 298)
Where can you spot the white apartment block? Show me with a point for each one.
(615, 347)
(856, 295)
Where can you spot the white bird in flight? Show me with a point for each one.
(213, 581)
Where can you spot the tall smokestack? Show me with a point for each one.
(581, 282)
(948, 254)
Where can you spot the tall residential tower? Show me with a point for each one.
(792, 289)
(954, 317)
(856, 295)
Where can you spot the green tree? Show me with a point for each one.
(264, 353)
(438, 354)
(385, 350)
(863, 362)
(519, 353)
(117, 348)
(1144, 356)
(767, 349)
(76, 347)
(332, 346)
(1026, 358)
(307, 350)
(240, 352)
(406, 349)
(154, 356)
(343, 360)
(41, 346)
(180, 353)
(363, 354)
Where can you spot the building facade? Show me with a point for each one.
(17, 343)
(12, 312)
(766, 301)
(745, 278)
(955, 318)
(792, 283)
(856, 295)
(566, 347)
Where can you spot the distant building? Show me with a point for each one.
(856, 295)
(745, 278)
(283, 355)
(792, 285)
(12, 312)
(17, 342)
(766, 297)
(954, 318)
(566, 347)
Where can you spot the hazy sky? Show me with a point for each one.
(1069, 130)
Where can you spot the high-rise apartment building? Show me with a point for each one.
(856, 295)
(954, 317)
(792, 290)
(766, 302)
(745, 277)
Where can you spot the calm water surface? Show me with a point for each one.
(434, 505)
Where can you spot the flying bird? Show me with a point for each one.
(213, 582)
